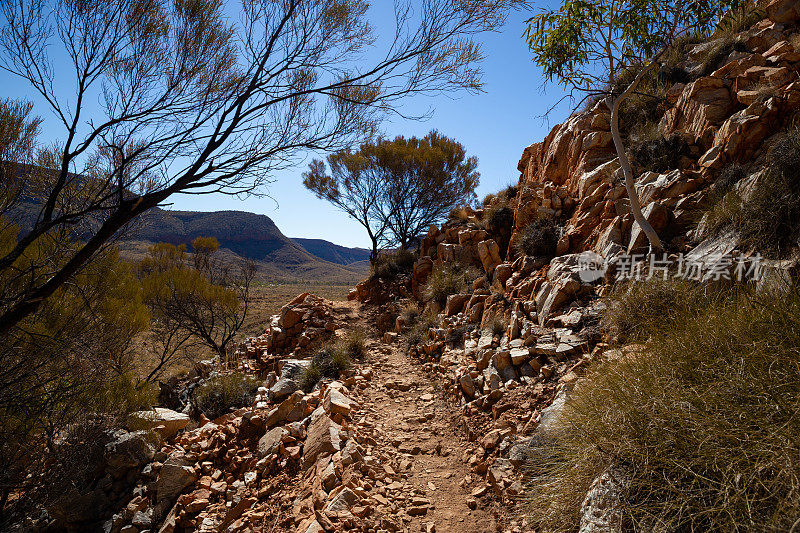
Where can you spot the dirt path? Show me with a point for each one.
(410, 414)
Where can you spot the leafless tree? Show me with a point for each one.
(192, 101)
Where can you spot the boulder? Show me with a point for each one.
(323, 438)
(335, 402)
(271, 441)
(455, 303)
(176, 474)
(489, 254)
(127, 451)
(279, 414)
(165, 422)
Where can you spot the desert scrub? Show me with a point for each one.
(766, 217)
(636, 310)
(389, 265)
(419, 330)
(539, 238)
(218, 395)
(329, 363)
(702, 423)
(352, 344)
(447, 279)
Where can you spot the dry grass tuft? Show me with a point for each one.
(703, 423)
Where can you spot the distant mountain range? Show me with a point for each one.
(255, 237)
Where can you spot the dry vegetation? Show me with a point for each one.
(700, 428)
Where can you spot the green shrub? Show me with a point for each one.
(218, 395)
(498, 216)
(498, 326)
(539, 238)
(390, 265)
(329, 362)
(703, 426)
(447, 279)
(661, 154)
(727, 180)
(410, 314)
(510, 192)
(310, 377)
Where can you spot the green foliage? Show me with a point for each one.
(419, 328)
(220, 394)
(196, 297)
(397, 188)
(660, 154)
(353, 344)
(447, 279)
(539, 238)
(329, 363)
(701, 427)
(498, 215)
(589, 44)
(391, 265)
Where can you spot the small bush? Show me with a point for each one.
(419, 331)
(353, 344)
(727, 180)
(702, 426)
(218, 395)
(498, 327)
(488, 199)
(310, 377)
(459, 214)
(447, 279)
(770, 217)
(390, 265)
(510, 192)
(661, 154)
(331, 361)
(457, 336)
(498, 216)
(539, 238)
(410, 314)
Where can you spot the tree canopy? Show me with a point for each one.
(397, 188)
(194, 101)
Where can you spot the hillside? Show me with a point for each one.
(253, 236)
(333, 252)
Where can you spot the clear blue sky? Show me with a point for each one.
(495, 126)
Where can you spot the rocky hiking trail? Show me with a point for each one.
(382, 449)
(410, 414)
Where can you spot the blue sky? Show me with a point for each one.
(495, 126)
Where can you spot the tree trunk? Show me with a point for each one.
(630, 183)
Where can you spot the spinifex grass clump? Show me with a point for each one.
(218, 395)
(390, 265)
(333, 359)
(703, 425)
(448, 279)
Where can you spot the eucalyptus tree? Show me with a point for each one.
(158, 97)
(396, 188)
(590, 45)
